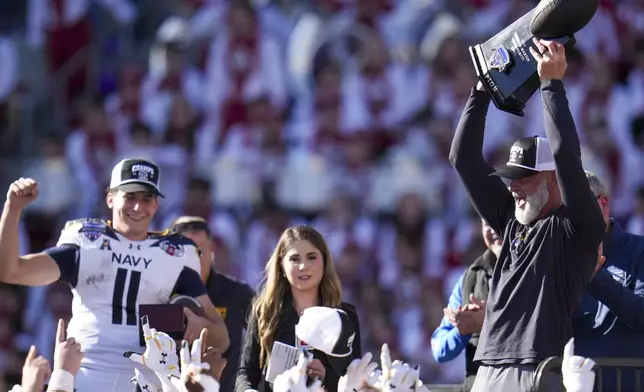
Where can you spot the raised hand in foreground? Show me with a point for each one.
(577, 371)
(160, 356)
(195, 373)
(34, 373)
(144, 383)
(67, 359)
(357, 374)
(294, 379)
(395, 375)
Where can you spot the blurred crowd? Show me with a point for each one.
(336, 113)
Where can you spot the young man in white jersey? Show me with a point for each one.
(112, 267)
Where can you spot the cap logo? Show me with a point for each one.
(142, 172)
(516, 154)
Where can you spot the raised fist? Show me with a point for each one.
(22, 192)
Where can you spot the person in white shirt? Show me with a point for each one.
(112, 268)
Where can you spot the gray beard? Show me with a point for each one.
(533, 206)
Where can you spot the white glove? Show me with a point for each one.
(374, 379)
(578, 374)
(16, 388)
(357, 374)
(192, 369)
(160, 353)
(397, 375)
(294, 379)
(144, 383)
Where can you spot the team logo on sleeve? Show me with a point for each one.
(171, 249)
(92, 230)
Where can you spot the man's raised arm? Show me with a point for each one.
(30, 270)
(560, 127)
(488, 195)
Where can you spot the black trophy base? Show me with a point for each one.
(506, 67)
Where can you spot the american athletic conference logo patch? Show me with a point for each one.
(172, 249)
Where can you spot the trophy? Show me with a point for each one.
(506, 68)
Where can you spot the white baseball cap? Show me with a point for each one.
(328, 330)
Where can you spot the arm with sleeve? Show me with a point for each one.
(585, 215)
(249, 373)
(488, 194)
(67, 253)
(189, 283)
(447, 342)
(627, 305)
(189, 280)
(67, 257)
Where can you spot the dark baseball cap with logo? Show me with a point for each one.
(528, 156)
(136, 175)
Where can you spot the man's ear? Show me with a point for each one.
(109, 200)
(552, 179)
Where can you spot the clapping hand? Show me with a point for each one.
(577, 371)
(294, 379)
(467, 319)
(357, 374)
(160, 353)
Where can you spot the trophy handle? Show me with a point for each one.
(477, 65)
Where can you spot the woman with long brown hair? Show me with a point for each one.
(299, 274)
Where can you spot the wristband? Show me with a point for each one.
(61, 380)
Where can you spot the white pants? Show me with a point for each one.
(92, 380)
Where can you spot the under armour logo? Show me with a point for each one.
(163, 358)
(138, 247)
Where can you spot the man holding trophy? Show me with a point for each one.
(548, 218)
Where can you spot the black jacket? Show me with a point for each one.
(476, 281)
(251, 376)
(232, 300)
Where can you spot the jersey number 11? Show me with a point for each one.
(130, 296)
